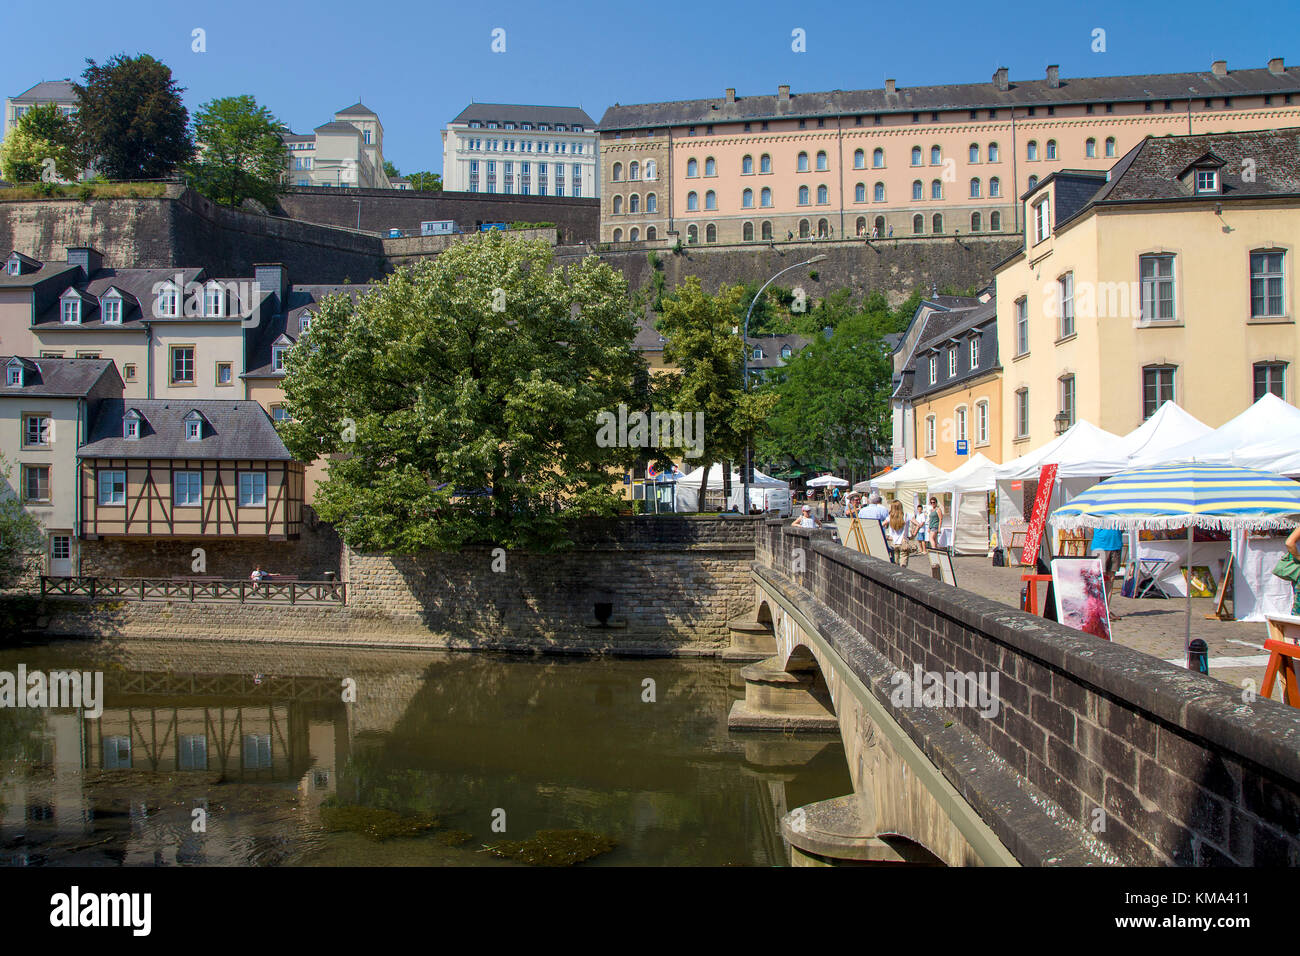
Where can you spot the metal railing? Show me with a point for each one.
(234, 591)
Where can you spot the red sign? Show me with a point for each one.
(1038, 520)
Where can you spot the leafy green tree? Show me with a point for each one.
(241, 155)
(461, 399)
(425, 182)
(130, 118)
(20, 532)
(42, 133)
(391, 171)
(703, 340)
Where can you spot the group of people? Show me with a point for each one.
(904, 535)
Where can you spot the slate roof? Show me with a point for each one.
(136, 283)
(986, 95)
(943, 326)
(336, 126)
(516, 113)
(48, 271)
(233, 430)
(301, 299)
(358, 109)
(771, 346)
(47, 91)
(57, 377)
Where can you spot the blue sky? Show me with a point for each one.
(417, 63)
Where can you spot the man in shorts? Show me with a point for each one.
(1109, 543)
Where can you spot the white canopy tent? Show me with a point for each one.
(906, 481)
(1264, 436)
(969, 486)
(765, 491)
(1170, 427)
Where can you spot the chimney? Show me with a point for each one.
(87, 258)
(731, 94)
(1219, 67)
(1276, 67)
(273, 277)
(890, 85)
(1054, 76)
(783, 93)
(1000, 79)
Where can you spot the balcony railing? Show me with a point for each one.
(235, 591)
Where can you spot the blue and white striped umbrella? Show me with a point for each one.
(1221, 497)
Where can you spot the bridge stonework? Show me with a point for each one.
(1096, 754)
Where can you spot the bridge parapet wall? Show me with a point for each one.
(1161, 765)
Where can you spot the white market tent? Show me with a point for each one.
(969, 486)
(1265, 436)
(1170, 427)
(764, 491)
(906, 481)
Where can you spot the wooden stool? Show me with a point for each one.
(1283, 649)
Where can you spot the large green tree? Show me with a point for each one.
(42, 133)
(20, 533)
(241, 155)
(460, 399)
(702, 339)
(425, 182)
(130, 118)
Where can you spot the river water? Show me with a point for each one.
(252, 755)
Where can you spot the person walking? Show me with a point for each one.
(934, 522)
(918, 526)
(896, 534)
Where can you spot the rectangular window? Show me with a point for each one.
(187, 489)
(982, 423)
(182, 365)
(192, 752)
(1266, 276)
(974, 354)
(1022, 326)
(128, 372)
(117, 753)
(1157, 274)
(225, 373)
(252, 489)
(961, 424)
(1065, 289)
(929, 435)
(934, 370)
(36, 431)
(257, 751)
(36, 482)
(1270, 378)
(1207, 181)
(1067, 398)
(1022, 413)
(60, 547)
(112, 487)
(71, 311)
(112, 312)
(952, 363)
(1157, 388)
(1042, 226)
(277, 357)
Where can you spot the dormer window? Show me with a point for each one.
(168, 304)
(14, 373)
(214, 302)
(131, 426)
(785, 352)
(757, 354)
(193, 426)
(70, 308)
(304, 322)
(14, 266)
(1042, 224)
(278, 353)
(110, 307)
(1207, 181)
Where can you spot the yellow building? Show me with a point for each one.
(1172, 277)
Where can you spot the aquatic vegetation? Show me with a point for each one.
(375, 822)
(554, 847)
(453, 837)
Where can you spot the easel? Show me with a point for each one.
(859, 539)
(1220, 599)
(1282, 651)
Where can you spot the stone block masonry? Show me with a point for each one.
(673, 583)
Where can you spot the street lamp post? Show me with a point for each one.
(745, 466)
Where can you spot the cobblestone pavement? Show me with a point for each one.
(1151, 625)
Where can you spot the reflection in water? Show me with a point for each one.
(226, 756)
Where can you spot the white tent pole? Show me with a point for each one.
(1187, 637)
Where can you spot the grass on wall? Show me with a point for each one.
(83, 191)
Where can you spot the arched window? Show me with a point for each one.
(692, 201)
(1031, 149)
(747, 232)
(710, 167)
(747, 199)
(618, 172)
(649, 169)
(1051, 149)
(974, 152)
(651, 234)
(767, 229)
(918, 191)
(804, 231)
(975, 222)
(993, 152)
(936, 189)
(746, 165)
(634, 171)
(803, 195)
(860, 192)
(995, 221)
(765, 163)
(765, 197)
(618, 235)
(878, 192)
(618, 205)
(692, 168)
(1033, 181)
(918, 224)
(692, 233)
(1110, 145)
(823, 228)
(878, 158)
(936, 156)
(938, 223)
(1090, 148)
(634, 235)
(651, 202)
(821, 162)
(995, 187)
(880, 225)
(710, 233)
(859, 159)
(801, 164)
(823, 196)
(861, 226)
(916, 155)
(710, 200)
(975, 189)
(634, 203)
